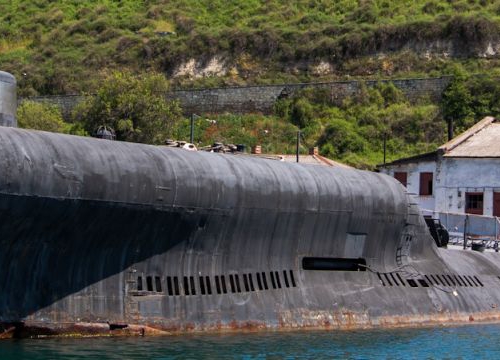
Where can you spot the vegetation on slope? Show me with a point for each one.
(353, 132)
(68, 46)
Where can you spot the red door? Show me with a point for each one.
(496, 204)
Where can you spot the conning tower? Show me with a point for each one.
(8, 99)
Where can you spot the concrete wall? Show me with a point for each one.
(252, 99)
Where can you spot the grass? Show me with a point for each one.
(67, 46)
(264, 41)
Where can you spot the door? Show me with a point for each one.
(496, 204)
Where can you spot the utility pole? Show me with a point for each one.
(298, 145)
(450, 129)
(385, 144)
(466, 223)
(191, 137)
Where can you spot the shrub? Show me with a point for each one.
(301, 113)
(133, 105)
(339, 138)
(41, 116)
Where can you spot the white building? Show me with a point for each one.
(461, 176)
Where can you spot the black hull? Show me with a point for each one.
(100, 237)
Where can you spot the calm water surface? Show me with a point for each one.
(465, 342)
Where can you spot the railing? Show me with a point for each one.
(473, 229)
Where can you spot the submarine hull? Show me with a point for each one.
(100, 237)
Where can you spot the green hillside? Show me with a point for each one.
(67, 46)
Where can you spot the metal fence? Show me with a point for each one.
(471, 228)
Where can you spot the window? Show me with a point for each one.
(426, 183)
(496, 204)
(401, 176)
(474, 203)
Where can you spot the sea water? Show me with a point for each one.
(462, 342)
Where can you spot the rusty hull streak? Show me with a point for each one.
(331, 321)
(91, 243)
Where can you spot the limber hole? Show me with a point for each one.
(272, 280)
(292, 279)
(245, 282)
(158, 284)
(202, 285)
(223, 283)
(423, 283)
(231, 282)
(149, 283)
(209, 286)
(278, 281)
(176, 286)
(264, 280)
(217, 284)
(169, 286)
(250, 280)
(237, 281)
(412, 282)
(190, 285)
(186, 285)
(259, 282)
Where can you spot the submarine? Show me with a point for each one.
(101, 238)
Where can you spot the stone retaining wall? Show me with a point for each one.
(251, 99)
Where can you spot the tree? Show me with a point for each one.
(135, 106)
(456, 102)
(41, 116)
